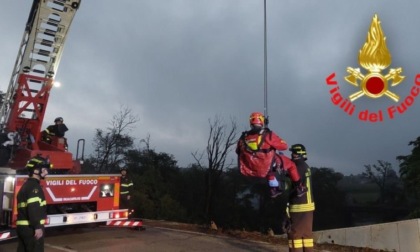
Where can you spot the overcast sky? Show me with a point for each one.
(178, 63)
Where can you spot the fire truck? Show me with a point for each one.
(72, 198)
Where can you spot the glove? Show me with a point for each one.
(272, 181)
(286, 225)
(300, 188)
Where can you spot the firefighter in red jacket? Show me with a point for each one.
(298, 224)
(32, 207)
(257, 155)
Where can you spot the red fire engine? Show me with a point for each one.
(72, 198)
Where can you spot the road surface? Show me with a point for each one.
(153, 239)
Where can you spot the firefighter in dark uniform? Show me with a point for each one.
(32, 207)
(126, 189)
(298, 224)
(58, 129)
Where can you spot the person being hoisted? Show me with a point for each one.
(257, 156)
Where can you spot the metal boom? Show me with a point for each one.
(24, 104)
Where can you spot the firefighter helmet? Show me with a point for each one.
(59, 119)
(256, 118)
(299, 150)
(37, 163)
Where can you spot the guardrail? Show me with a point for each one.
(400, 236)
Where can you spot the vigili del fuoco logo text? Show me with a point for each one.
(375, 82)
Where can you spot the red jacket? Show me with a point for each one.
(270, 140)
(257, 150)
(257, 154)
(288, 165)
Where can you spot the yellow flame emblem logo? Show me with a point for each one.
(374, 57)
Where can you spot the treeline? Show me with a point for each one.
(165, 191)
(162, 190)
(216, 191)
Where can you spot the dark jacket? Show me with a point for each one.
(31, 204)
(126, 187)
(58, 130)
(306, 202)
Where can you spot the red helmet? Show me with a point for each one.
(256, 118)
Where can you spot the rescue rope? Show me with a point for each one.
(265, 62)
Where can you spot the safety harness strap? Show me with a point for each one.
(260, 142)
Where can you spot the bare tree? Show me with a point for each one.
(146, 142)
(220, 143)
(380, 174)
(112, 143)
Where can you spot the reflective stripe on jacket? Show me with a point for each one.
(126, 186)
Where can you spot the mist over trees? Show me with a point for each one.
(410, 175)
(212, 189)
